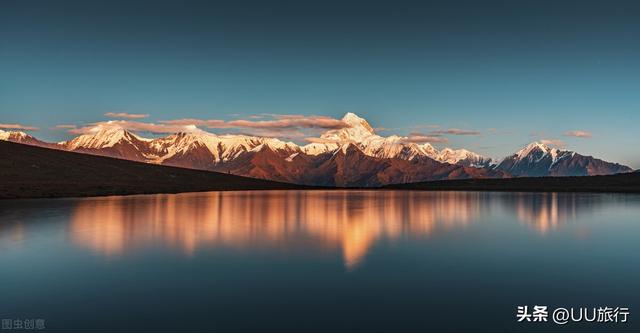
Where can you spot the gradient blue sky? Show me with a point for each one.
(516, 71)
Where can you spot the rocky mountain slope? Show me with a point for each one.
(537, 159)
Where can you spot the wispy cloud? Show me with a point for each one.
(125, 115)
(287, 134)
(283, 126)
(211, 123)
(579, 134)
(279, 122)
(64, 126)
(429, 126)
(417, 137)
(308, 122)
(18, 127)
(496, 131)
(456, 131)
(135, 126)
(553, 142)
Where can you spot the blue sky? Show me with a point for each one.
(515, 71)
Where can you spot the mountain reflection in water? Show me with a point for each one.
(347, 221)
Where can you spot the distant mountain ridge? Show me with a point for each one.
(538, 160)
(351, 156)
(24, 138)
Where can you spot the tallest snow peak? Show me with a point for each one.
(354, 121)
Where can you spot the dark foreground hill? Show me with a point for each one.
(35, 172)
(626, 182)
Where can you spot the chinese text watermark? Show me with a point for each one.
(562, 316)
(22, 324)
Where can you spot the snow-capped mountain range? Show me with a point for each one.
(363, 136)
(351, 156)
(537, 159)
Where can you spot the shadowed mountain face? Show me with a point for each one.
(348, 166)
(351, 156)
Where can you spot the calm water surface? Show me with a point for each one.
(302, 261)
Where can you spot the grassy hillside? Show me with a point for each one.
(34, 172)
(627, 182)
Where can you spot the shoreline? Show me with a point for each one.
(30, 172)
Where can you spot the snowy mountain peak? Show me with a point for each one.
(537, 150)
(429, 150)
(277, 144)
(452, 156)
(353, 120)
(358, 131)
(4, 135)
(538, 159)
(356, 144)
(317, 148)
(102, 137)
(532, 147)
(362, 135)
(19, 137)
(13, 135)
(463, 157)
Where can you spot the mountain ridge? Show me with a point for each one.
(539, 160)
(378, 160)
(38, 172)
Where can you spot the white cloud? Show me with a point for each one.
(126, 115)
(18, 127)
(579, 134)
